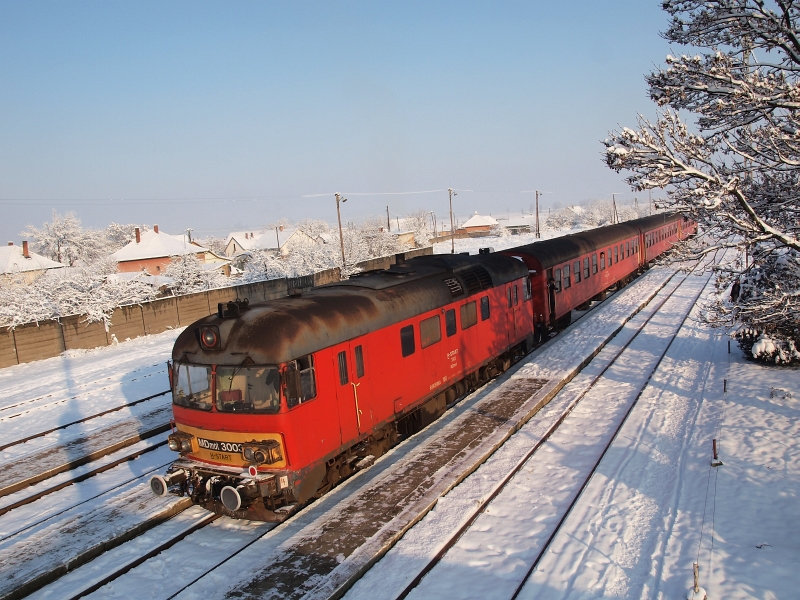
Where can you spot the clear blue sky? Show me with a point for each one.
(224, 115)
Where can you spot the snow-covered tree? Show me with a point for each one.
(119, 235)
(419, 222)
(190, 275)
(213, 243)
(737, 170)
(64, 240)
(565, 218)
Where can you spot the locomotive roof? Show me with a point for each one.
(284, 329)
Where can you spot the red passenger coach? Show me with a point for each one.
(275, 403)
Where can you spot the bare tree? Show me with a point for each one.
(737, 169)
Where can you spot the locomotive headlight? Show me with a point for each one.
(186, 445)
(174, 444)
(209, 338)
(259, 456)
(248, 453)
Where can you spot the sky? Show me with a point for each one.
(224, 116)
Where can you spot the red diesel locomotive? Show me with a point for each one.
(275, 403)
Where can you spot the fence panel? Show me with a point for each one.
(80, 334)
(275, 288)
(160, 315)
(220, 295)
(327, 276)
(8, 352)
(254, 292)
(192, 307)
(126, 322)
(36, 342)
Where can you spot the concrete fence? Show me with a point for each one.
(37, 341)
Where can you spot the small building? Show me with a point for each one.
(478, 223)
(516, 225)
(283, 240)
(19, 262)
(240, 241)
(152, 251)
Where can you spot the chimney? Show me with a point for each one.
(281, 227)
(25, 252)
(138, 236)
(155, 228)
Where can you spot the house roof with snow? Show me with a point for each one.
(243, 240)
(156, 244)
(12, 261)
(479, 221)
(277, 238)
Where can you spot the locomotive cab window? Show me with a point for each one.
(407, 340)
(430, 331)
(301, 384)
(469, 315)
(450, 322)
(192, 386)
(484, 308)
(250, 389)
(567, 278)
(577, 271)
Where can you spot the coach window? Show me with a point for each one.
(602, 260)
(342, 356)
(484, 308)
(594, 264)
(577, 271)
(627, 248)
(516, 295)
(450, 322)
(610, 256)
(616, 254)
(586, 268)
(622, 251)
(359, 361)
(430, 331)
(469, 315)
(557, 274)
(528, 291)
(566, 277)
(508, 294)
(407, 340)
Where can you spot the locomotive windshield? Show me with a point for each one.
(248, 389)
(192, 386)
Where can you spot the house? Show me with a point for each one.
(18, 261)
(240, 241)
(478, 223)
(152, 251)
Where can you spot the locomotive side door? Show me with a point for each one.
(352, 391)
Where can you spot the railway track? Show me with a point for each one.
(282, 549)
(417, 585)
(265, 540)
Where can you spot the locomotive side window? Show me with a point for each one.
(359, 361)
(602, 260)
(586, 268)
(469, 315)
(308, 384)
(528, 291)
(484, 308)
(594, 264)
(516, 295)
(192, 386)
(407, 340)
(577, 271)
(508, 294)
(430, 331)
(567, 281)
(557, 277)
(450, 322)
(342, 359)
(251, 389)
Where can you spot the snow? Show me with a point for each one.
(12, 261)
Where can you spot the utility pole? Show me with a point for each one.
(452, 231)
(339, 217)
(388, 220)
(189, 234)
(278, 240)
(538, 233)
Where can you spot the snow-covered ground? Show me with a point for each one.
(501, 242)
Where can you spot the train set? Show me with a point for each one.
(275, 403)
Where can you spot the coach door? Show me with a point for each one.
(353, 393)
